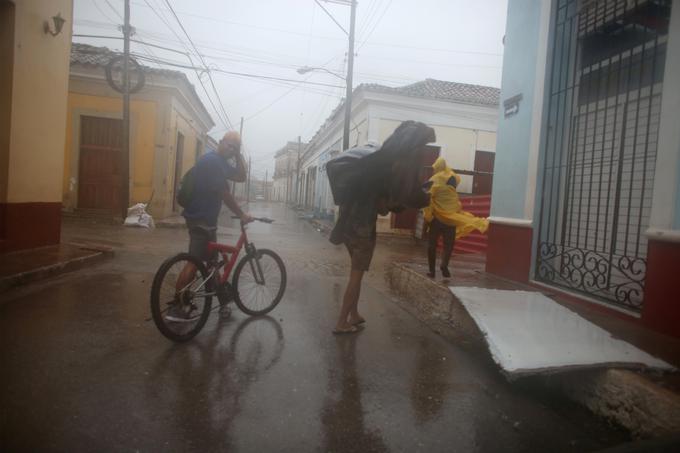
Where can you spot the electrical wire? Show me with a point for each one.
(113, 21)
(375, 25)
(97, 24)
(158, 13)
(212, 82)
(331, 16)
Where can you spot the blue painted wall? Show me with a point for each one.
(514, 133)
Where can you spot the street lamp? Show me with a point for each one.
(306, 69)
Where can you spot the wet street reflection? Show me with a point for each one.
(430, 383)
(84, 369)
(342, 416)
(207, 379)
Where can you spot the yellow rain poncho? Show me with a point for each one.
(445, 205)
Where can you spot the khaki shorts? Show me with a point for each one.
(361, 252)
(199, 236)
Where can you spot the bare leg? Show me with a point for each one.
(186, 276)
(350, 302)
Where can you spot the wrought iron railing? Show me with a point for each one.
(604, 104)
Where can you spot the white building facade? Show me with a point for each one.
(284, 185)
(463, 116)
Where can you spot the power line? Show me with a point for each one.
(212, 83)
(113, 21)
(375, 25)
(373, 9)
(198, 75)
(163, 38)
(364, 75)
(331, 16)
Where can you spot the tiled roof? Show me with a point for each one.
(428, 89)
(86, 54)
(442, 90)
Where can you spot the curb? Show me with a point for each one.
(433, 304)
(625, 397)
(98, 254)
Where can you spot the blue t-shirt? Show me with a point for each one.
(211, 173)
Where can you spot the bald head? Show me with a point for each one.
(230, 144)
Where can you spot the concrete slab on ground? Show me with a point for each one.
(645, 404)
(529, 333)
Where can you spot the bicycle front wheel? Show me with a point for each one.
(180, 301)
(259, 282)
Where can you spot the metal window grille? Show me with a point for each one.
(604, 103)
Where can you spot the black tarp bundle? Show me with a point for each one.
(395, 164)
(361, 174)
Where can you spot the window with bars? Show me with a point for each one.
(605, 85)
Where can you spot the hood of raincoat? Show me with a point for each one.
(439, 165)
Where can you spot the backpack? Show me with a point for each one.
(186, 188)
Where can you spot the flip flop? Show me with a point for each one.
(351, 329)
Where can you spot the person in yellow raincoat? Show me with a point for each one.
(446, 217)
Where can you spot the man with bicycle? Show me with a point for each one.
(204, 188)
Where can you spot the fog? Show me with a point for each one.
(397, 42)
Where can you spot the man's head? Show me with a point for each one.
(230, 144)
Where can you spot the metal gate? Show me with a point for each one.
(604, 101)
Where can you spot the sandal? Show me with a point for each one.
(350, 329)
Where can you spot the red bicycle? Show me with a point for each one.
(257, 286)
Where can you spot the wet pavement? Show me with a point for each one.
(83, 369)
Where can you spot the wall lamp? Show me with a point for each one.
(58, 25)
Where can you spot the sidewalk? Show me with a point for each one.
(647, 404)
(19, 268)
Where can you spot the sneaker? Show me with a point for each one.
(225, 311)
(176, 313)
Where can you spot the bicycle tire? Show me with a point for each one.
(156, 303)
(242, 305)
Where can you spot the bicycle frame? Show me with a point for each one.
(230, 255)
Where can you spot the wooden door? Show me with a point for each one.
(179, 159)
(481, 184)
(407, 218)
(100, 178)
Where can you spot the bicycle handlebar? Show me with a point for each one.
(258, 219)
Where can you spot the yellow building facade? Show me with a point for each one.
(34, 73)
(168, 127)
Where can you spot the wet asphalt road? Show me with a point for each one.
(82, 369)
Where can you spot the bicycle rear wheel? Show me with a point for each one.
(180, 313)
(259, 282)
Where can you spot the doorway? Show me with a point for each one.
(482, 183)
(100, 175)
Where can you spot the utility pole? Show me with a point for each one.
(350, 69)
(240, 133)
(287, 177)
(248, 181)
(125, 156)
(297, 176)
(266, 174)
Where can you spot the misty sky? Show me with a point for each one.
(398, 42)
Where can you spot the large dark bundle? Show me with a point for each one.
(392, 170)
(343, 173)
